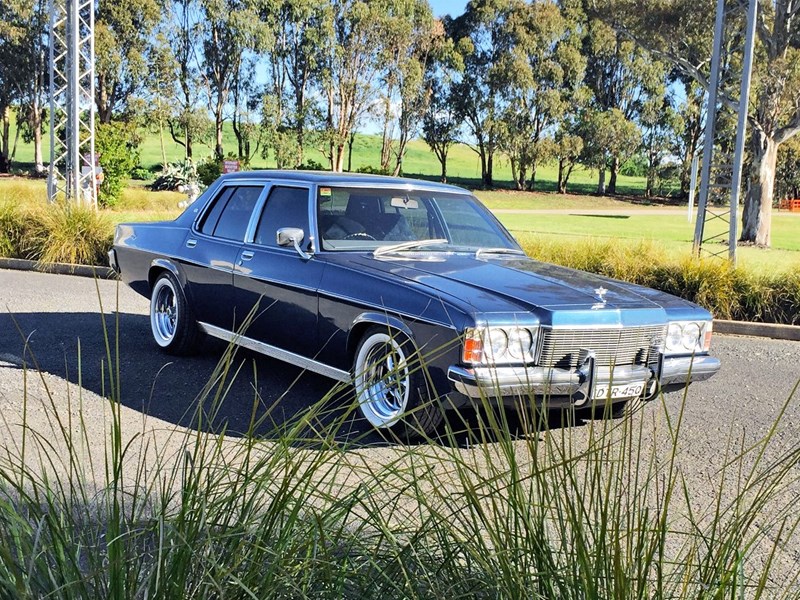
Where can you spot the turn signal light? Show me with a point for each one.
(473, 350)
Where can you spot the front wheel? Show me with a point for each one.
(171, 320)
(391, 387)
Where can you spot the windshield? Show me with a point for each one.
(372, 218)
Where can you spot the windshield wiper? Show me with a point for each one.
(413, 245)
(481, 251)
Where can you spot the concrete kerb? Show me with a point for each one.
(767, 330)
(19, 264)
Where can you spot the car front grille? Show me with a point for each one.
(561, 347)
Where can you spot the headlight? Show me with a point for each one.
(500, 345)
(687, 337)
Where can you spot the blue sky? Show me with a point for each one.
(448, 7)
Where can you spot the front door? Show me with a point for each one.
(275, 286)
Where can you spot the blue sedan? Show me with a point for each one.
(410, 290)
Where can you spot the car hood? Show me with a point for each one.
(510, 284)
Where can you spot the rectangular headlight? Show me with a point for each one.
(688, 337)
(500, 345)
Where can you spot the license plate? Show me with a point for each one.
(617, 392)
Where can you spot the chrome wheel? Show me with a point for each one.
(382, 379)
(164, 312)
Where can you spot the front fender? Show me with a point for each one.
(366, 319)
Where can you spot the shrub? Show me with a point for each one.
(311, 165)
(369, 169)
(728, 292)
(209, 170)
(74, 234)
(117, 146)
(174, 176)
(140, 173)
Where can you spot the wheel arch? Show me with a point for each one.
(369, 319)
(161, 265)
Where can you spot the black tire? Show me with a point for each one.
(391, 385)
(172, 321)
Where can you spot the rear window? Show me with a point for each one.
(230, 214)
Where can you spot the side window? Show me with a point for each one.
(212, 216)
(231, 213)
(285, 207)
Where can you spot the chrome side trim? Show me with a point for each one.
(275, 352)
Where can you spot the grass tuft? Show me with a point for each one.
(497, 506)
(73, 234)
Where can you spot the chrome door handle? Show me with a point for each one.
(191, 243)
(247, 255)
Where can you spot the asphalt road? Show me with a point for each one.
(54, 323)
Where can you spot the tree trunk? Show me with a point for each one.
(612, 180)
(338, 158)
(601, 182)
(514, 174)
(532, 180)
(38, 159)
(6, 130)
(444, 168)
(562, 187)
(218, 150)
(350, 151)
(757, 213)
(188, 144)
(489, 167)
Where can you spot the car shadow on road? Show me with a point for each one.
(258, 396)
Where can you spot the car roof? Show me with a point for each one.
(344, 179)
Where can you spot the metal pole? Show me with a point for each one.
(692, 186)
(741, 130)
(73, 103)
(52, 172)
(711, 118)
(92, 113)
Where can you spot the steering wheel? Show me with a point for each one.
(359, 235)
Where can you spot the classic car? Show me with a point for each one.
(411, 290)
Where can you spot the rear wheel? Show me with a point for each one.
(171, 320)
(391, 388)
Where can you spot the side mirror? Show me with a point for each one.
(292, 236)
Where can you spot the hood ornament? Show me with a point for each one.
(601, 296)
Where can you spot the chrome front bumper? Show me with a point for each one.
(561, 387)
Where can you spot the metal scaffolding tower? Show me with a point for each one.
(721, 174)
(73, 161)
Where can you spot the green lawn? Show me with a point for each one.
(643, 222)
(463, 164)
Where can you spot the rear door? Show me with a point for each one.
(276, 280)
(211, 251)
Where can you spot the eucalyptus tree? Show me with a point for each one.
(123, 32)
(353, 36)
(411, 40)
(229, 29)
(659, 122)
(23, 48)
(608, 135)
(567, 150)
(622, 76)
(542, 67)
(680, 30)
(440, 122)
(178, 80)
(292, 55)
(478, 35)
